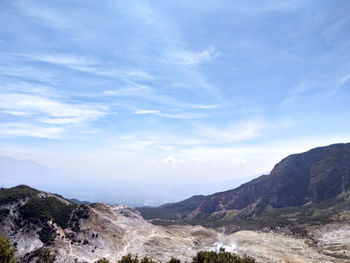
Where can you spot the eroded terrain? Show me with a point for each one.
(113, 231)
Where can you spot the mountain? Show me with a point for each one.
(316, 182)
(305, 200)
(39, 222)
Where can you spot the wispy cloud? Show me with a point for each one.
(182, 115)
(146, 112)
(28, 72)
(239, 131)
(55, 111)
(136, 90)
(314, 92)
(206, 106)
(16, 113)
(344, 79)
(28, 130)
(174, 115)
(51, 17)
(188, 59)
(88, 64)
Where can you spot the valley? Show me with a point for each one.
(258, 219)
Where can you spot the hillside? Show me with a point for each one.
(38, 221)
(311, 187)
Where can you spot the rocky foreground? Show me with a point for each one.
(113, 231)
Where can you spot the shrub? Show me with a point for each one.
(220, 257)
(146, 260)
(45, 256)
(15, 193)
(47, 234)
(39, 210)
(4, 213)
(129, 259)
(174, 260)
(102, 260)
(7, 252)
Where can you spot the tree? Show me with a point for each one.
(129, 259)
(146, 260)
(7, 252)
(102, 260)
(220, 257)
(45, 256)
(174, 260)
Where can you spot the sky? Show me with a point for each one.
(170, 95)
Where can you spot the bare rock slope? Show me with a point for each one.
(99, 230)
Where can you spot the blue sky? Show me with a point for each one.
(172, 90)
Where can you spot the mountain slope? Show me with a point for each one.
(314, 177)
(35, 220)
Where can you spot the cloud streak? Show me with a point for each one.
(190, 59)
(57, 112)
(28, 130)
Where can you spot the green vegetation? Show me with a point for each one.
(47, 234)
(129, 259)
(293, 217)
(202, 257)
(3, 214)
(40, 210)
(9, 195)
(45, 256)
(221, 257)
(7, 252)
(82, 212)
(173, 211)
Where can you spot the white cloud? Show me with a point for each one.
(16, 113)
(188, 58)
(180, 115)
(58, 112)
(206, 106)
(90, 65)
(344, 79)
(63, 120)
(49, 17)
(183, 115)
(71, 61)
(146, 112)
(240, 131)
(237, 132)
(28, 73)
(137, 91)
(27, 130)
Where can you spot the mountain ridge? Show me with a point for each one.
(312, 177)
(305, 199)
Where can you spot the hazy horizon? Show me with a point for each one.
(150, 102)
